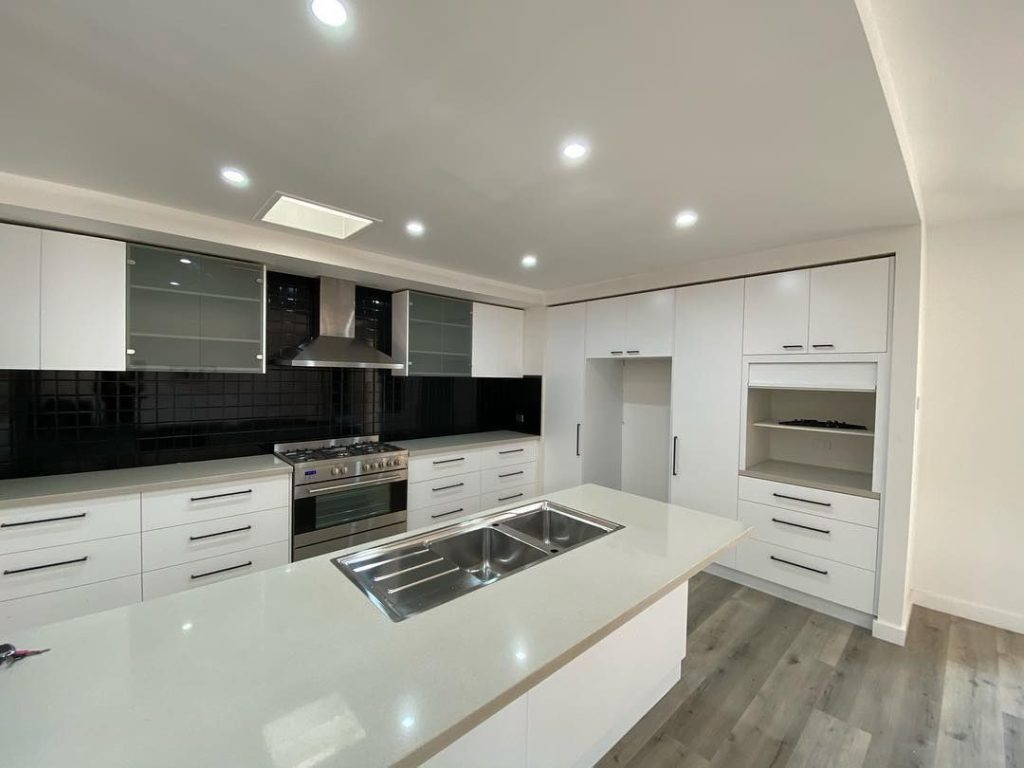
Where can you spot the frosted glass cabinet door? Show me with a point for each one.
(440, 335)
(775, 313)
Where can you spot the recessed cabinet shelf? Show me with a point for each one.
(813, 476)
(774, 424)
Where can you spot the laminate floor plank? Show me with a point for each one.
(707, 595)
(665, 752)
(1010, 649)
(827, 741)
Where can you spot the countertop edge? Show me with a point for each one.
(435, 745)
(468, 444)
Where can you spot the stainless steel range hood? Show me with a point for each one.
(336, 346)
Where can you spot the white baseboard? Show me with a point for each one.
(985, 614)
(891, 633)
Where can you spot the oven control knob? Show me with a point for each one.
(335, 471)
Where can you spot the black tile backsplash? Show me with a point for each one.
(53, 422)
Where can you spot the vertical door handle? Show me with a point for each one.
(577, 438)
(675, 455)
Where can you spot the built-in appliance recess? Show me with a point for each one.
(346, 491)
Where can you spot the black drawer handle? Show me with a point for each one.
(805, 501)
(797, 565)
(511, 450)
(632, 351)
(221, 495)
(13, 571)
(511, 474)
(616, 351)
(448, 487)
(220, 533)
(823, 346)
(79, 516)
(792, 346)
(448, 461)
(220, 570)
(506, 498)
(445, 514)
(805, 527)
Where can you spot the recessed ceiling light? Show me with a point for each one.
(330, 12)
(175, 283)
(686, 219)
(235, 177)
(293, 212)
(185, 261)
(529, 261)
(415, 228)
(575, 150)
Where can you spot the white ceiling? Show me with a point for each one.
(768, 118)
(958, 78)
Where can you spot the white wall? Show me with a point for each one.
(968, 540)
(646, 427)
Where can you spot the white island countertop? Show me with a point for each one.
(294, 666)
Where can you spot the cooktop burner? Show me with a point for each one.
(336, 452)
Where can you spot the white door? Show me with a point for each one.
(83, 303)
(19, 297)
(564, 367)
(606, 327)
(850, 307)
(649, 322)
(707, 378)
(775, 313)
(497, 341)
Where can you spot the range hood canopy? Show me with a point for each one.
(336, 346)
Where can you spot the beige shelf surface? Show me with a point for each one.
(825, 478)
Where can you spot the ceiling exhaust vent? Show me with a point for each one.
(295, 213)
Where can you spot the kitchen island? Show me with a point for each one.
(294, 666)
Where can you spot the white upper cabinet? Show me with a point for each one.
(19, 297)
(497, 341)
(82, 303)
(850, 307)
(775, 313)
(564, 377)
(631, 326)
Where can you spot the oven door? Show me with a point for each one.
(340, 508)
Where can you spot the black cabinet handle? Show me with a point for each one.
(448, 487)
(577, 439)
(445, 514)
(511, 474)
(511, 450)
(43, 520)
(632, 351)
(675, 455)
(823, 346)
(616, 351)
(448, 461)
(792, 346)
(506, 498)
(805, 527)
(805, 501)
(220, 570)
(220, 533)
(221, 495)
(797, 565)
(12, 571)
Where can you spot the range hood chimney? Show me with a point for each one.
(336, 346)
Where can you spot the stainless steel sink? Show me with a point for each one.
(419, 572)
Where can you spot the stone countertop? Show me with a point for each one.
(33, 490)
(294, 665)
(431, 445)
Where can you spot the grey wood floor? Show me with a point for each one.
(769, 683)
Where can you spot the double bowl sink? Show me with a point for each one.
(420, 572)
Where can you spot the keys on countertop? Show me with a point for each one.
(9, 654)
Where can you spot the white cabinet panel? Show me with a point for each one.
(37, 526)
(498, 742)
(606, 327)
(443, 513)
(497, 341)
(775, 313)
(443, 465)
(179, 544)
(859, 510)
(497, 478)
(70, 603)
(70, 565)
(649, 322)
(83, 303)
(162, 509)
(440, 490)
(210, 570)
(507, 496)
(850, 307)
(508, 453)
(19, 297)
(707, 398)
(564, 374)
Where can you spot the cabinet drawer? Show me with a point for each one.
(161, 509)
(439, 490)
(509, 453)
(66, 522)
(832, 539)
(71, 565)
(442, 513)
(507, 496)
(837, 582)
(827, 504)
(46, 608)
(424, 468)
(165, 547)
(506, 477)
(210, 570)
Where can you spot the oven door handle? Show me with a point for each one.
(390, 477)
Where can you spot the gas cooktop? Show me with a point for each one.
(319, 460)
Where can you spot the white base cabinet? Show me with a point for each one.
(573, 717)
